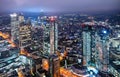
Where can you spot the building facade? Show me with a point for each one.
(25, 36)
(86, 48)
(16, 19)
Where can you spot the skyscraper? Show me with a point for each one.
(16, 19)
(86, 48)
(102, 59)
(14, 27)
(87, 45)
(53, 35)
(25, 36)
(46, 38)
(50, 36)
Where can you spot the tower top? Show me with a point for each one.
(13, 15)
(52, 18)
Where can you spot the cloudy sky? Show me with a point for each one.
(58, 5)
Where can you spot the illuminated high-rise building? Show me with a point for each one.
(86, 48)
(95, 50)
(53, 35)
(25, 36)
(14, 27)
(46, 38)
(16, 19)
(102, 56)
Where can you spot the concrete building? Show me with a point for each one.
(25, 36)
(86, 47)
(53, 37)
(46, 38)
(102, 55)
(50, 36)
(16, 19)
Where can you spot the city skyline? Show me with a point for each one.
(59, 38)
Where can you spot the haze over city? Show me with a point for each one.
(59, 5)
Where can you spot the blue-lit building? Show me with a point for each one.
(86, 34)
(102, 48)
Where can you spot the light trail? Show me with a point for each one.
(6, 36)
(67, 73)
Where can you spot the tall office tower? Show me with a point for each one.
(86, 34)
(98, 52)
(53, 35)
(46, 39)
(25, 35)
(86, 48)
(105, 54)
(16, 19)
(50, 35)
(102, 59)
(14, 27)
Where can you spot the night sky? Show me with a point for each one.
(58, 5)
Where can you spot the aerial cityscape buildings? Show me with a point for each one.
(68, 44)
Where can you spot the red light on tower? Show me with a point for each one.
(52, 18)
